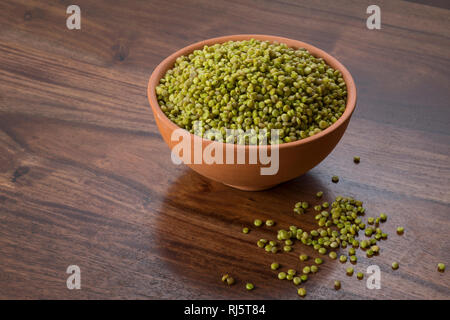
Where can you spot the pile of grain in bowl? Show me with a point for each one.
(252, 86)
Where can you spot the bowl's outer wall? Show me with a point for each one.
(293, 162)
(295, 158)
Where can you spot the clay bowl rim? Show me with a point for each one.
(168, 62)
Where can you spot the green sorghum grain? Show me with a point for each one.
(270, 223)
(249, 286)
(349, 271)
(369, 253)
(253, 85)
(375, 249)
(292, 272)
(383, 217)
(343, 258)
(299, 210)
(353, 259)
(306, 270)
(287, 248)
(268, 247)
(360, 275)
(282, 275)
(314, 268)
(224, 277)
(245, 230)
(335, 179)
(332, 255)
(274, 265)
(274, 250)
(337, 284)
(351, 251)
(318, 261)
(289, 277)
(288, 242)
(229, 280)
(261, 243)
(257, 222)
(370, 220)
(400, 230)
(322, 251)
(395, 265)
(297, 280)
(284, 235)
(272, 242)
(356, 159)
(303, 257)
(305, 205)
(441, 267)
(304, 277)
(301, 292)
(319, 194)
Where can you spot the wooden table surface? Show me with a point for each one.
(85, 178)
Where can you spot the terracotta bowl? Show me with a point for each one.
(295, 158)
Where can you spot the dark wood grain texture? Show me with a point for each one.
(86, 179)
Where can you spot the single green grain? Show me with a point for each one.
(303, 257)
(270, 223)
(274, 266)
(337, 284)
(349, 271)
(301, 292)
